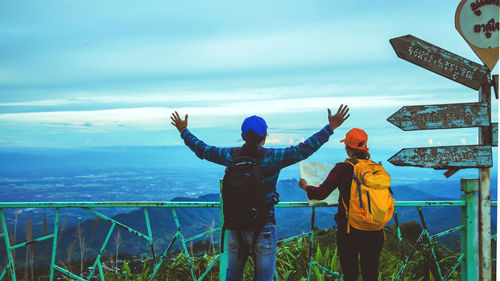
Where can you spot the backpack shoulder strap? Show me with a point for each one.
(235, 152)
(348, 161)
(358, 183)
(260, 154)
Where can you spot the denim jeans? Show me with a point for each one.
(265, 252)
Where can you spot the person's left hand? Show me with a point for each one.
(303, 184)
(336, 120)
(178, 122)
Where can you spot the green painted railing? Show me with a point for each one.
(97, 270)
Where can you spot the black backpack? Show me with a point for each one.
(244, 199)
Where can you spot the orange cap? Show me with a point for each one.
(356, 139)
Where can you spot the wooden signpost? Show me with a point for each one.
(442, 116)
(439, 61)
(463, 115)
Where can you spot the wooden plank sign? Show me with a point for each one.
(443, 116)
(439, 61)
(445, 157)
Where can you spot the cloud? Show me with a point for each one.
(86, 124)
(125, 99)
(96, 120)
(151, 111)
(284, 139)
(366, 95)
(159, 55)
(157, 117)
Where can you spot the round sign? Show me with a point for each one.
(478, 22)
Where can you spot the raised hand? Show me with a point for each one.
(336, 120)
(178, 122)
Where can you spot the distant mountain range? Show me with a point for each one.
(18, 159)
(14, 159)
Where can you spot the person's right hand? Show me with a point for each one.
(336, 120)
(303, 184)
(178, 122)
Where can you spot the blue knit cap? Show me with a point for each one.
(256, 124)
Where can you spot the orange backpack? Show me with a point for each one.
(371, 205)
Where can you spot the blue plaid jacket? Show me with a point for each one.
(273, 161)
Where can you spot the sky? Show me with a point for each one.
(109, 73)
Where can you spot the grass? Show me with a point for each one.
(292, 261)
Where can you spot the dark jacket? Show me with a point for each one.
(339, 177)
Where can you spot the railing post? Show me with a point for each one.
(223, 254)
(10, 266)
(54, 246)
(469, 219)
(150, 233)
(311, 243)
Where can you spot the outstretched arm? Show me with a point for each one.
(297, 153)
(219, 155)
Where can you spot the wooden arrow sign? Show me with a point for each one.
(445, 157)
(443, 116)
(439, 61)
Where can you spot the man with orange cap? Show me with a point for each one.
(357, 243)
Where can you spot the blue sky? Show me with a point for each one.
(107, 73)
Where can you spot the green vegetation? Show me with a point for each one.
(292, 261)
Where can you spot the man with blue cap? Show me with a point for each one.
(271, 161)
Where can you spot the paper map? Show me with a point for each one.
(315, 173)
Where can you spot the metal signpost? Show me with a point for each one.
(462, 115)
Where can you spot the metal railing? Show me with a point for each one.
(467, 264)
